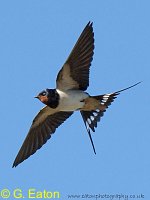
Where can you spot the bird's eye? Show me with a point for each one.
(44, 94)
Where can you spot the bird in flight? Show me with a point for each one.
(69, 96)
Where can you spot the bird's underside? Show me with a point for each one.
(69, 96)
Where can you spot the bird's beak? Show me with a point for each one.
(37, 97)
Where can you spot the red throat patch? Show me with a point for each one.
(43, 99)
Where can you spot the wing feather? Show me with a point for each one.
(44, 124)
(75, 72)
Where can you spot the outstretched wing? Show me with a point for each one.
(44, 124)
(75, 72)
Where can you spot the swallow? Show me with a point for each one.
(68, 96)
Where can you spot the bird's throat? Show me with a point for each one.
(52, 99)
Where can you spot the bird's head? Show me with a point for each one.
(43, 96)
(49, 97)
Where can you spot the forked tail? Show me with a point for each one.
(92, 117)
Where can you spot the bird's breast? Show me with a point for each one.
(71, 100)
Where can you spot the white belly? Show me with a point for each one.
(71, 100)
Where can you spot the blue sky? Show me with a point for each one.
(36, 38)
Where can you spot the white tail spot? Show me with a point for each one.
(87, 126)
(92, 118)
(107, 95)
(89, 121)
(95, 114)
(105, 99)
